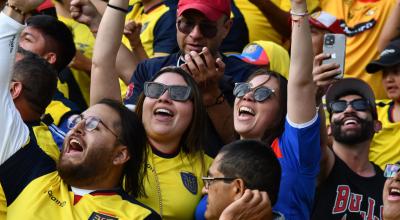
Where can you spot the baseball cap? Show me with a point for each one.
(261, 53)
(324, 20)
(212, 9)
(349, 86)
(390, 56)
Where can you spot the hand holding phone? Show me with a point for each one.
(335, 45)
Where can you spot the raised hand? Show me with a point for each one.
(85, 12)
(25, 5)
(324, 74)
(132, 32)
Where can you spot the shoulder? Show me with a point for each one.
(140, 207)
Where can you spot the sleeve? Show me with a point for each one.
(137, 81)
(165, 34)
(14, 133)
(300, 146)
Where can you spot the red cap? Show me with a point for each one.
(45, 5)
(324, 20)
(212, 9)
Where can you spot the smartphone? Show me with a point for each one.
(335, 45)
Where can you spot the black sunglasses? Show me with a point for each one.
(176, 92)
(207, 29)
(357, 104)
(260, 93)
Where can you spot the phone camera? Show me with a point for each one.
(330, 40)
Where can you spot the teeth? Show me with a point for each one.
(350, 121)
(245, 109)
(163, 110)
(75, 141)
(395, 191)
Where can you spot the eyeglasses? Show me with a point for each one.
(207, 180)
(178, 93)
(260, 93)
(357, 104)
(391, 170)
(91, 123)
(207, 29)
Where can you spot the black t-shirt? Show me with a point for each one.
(346, 195)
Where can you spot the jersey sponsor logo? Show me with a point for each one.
(190, 182)
(144, 26)
(55, 199)
(129, 91)
(359, 28)
(347, 202)
(101, 216)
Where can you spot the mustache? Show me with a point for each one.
(348, 115)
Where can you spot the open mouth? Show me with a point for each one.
(75, 146)
(163, 112)
(244, 110)
(394, 192)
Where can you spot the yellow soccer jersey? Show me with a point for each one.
(34, 190)
(84, 42)
(158, 34)
(259, 26)
(177, 181)
(385, 146)
(363, 22)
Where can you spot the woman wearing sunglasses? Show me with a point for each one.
(391, 192)
(283, 115)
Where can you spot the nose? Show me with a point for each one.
(388, 76)
(79, 128)
(204, 191)
(249, 97)
(165, 97)
(349, 108)
(196, 32)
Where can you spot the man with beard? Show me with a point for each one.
(350, 186)
(98, 152)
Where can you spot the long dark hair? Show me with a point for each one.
(193, 139)
(132, 135)
(276, 131)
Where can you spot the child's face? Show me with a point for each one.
(391, 81)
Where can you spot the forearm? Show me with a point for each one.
(391, 28)
(278, 18)
(300, 84)
(104, 79)
(221, 116)
(126, 63)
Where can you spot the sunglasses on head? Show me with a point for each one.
(177, 93)
(357, 104)
(260, 93)
(391, 170)
(207, 29)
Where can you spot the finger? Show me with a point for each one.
(247, 196)
(201, 65)
(208, 58)
(191, 66)
(256, 197)
(220, 66)
(318, 59)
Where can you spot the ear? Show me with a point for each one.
(329, 130)
(377, 126)
(121, 155)
(227, 27)
(238, 188)
(16, 89)
(51, 57)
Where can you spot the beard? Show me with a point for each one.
(84, 173)
(365, 133)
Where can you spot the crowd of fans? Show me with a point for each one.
(199, 109)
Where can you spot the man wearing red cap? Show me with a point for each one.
(201, 27)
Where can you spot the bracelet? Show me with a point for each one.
(15, 8)
(118, 8)
(219, 100)
(300, 14)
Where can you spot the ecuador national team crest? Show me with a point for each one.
(189, 181)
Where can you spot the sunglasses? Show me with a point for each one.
(207, 180)
(207, 29)
(177, 93)
(391, 170)
(357, 104)
(91, 123)
(260, 93)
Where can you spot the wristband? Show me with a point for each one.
(15, 8)
(219, 100)
(118, 8)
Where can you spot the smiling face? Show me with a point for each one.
(391, 82)
(252, 118)
(352, 126)
(391, 198)
(164, 119)
(87, 156)
(195, 40)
